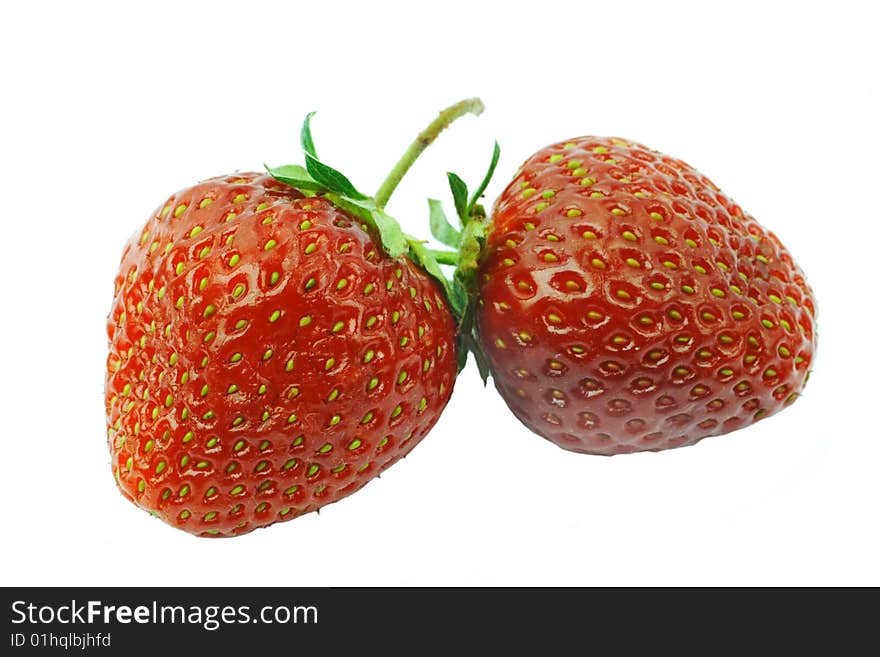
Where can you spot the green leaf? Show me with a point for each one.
(440, 226)
(461, 354)
(393, 240)
(290, 171)
(496, 153)
(460, 294)
(389, 230)
(305, 136)
(480, 359)
(468, 343)
(422, 256)
(295, 176)
(459, 195)
(331, 178)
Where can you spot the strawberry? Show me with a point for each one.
(626, 304)
(275, 344)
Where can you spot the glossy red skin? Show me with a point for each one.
(300, 429)
(599, 361)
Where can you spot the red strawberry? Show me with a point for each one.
(627, 304)
(268, 356)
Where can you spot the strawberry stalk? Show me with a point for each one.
(468, 242)
(426, 138)
(445, 257)
(318, 178)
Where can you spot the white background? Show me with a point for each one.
(109, 108)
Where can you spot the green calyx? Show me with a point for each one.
(468, 242)
(320, 179)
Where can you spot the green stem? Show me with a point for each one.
(425, 138)
(445, 257)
